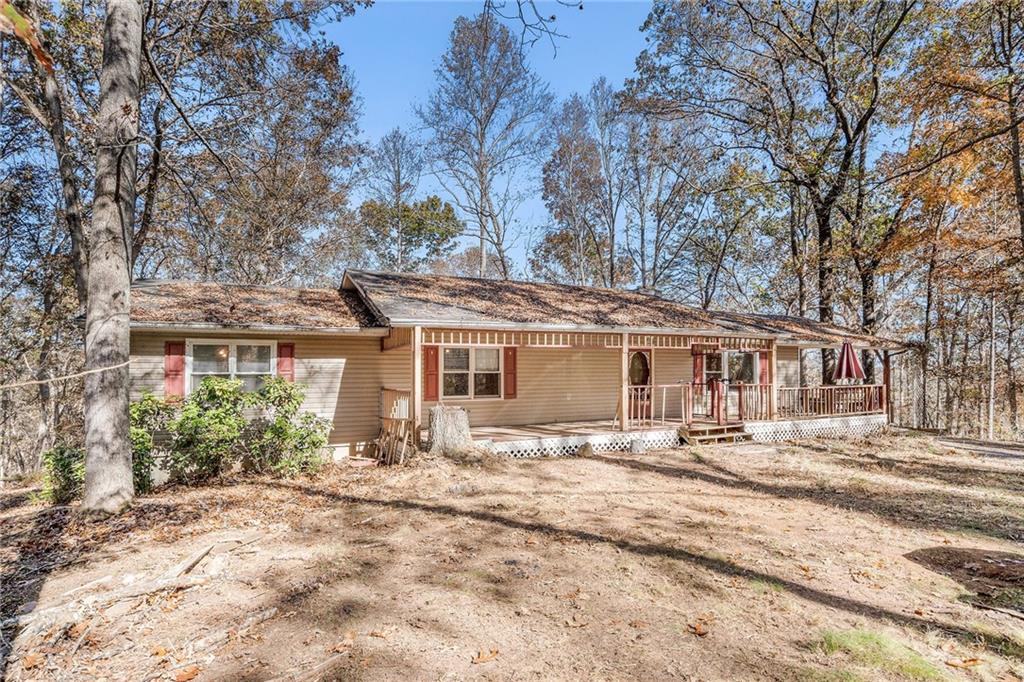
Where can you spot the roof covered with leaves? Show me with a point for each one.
(379, 299)
(212, 304)
(442, 300)
(404, 298)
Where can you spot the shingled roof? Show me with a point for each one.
(442, 300)
(801, 329)
(212, 304)
(380, 299)
(403, 298)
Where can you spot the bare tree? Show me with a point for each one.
(798, 84)
(396, 165)
(610, 138)
(487, 117)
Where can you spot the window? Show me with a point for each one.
(741, 368)
(712, 367)
(732, 366)
(471, 373)
(250, 361)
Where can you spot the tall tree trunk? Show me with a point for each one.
(1012, 96)
(869, 313)
(927, 325)
(992, 367)
(798, 254)
(826, 283)
(108, 463)
(1011, 374)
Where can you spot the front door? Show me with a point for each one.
(640, 375)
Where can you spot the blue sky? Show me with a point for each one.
(393, 48)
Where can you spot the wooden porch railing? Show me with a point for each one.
(753, 401)
(658, 404)
(720, 402)
(830, 401)
(716, 401)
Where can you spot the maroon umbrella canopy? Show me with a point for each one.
(848, 364)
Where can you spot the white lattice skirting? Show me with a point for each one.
(822, 427)
(566, 446)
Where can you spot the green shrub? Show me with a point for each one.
(206, 433)
(63, 474)
(146, 416)
(280, 440)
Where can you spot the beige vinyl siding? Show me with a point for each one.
(670, 367)
(554, 385)
(343, 376)
(787, 364)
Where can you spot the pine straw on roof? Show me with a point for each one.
(445, 299)
(212, 303)
(800, 328)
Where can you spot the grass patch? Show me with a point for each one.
(879, 651)
(830, 675)
(1009, 599)
(762, 586)
(1011, 646)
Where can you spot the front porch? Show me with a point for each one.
(533, 394)
(699, 415)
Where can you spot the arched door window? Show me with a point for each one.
(639, 368)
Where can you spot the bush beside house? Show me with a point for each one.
(213, 430)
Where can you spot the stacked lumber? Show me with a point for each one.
(394, 442)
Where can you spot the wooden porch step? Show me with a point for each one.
(708, 434)
(718, 438)
(704, 429)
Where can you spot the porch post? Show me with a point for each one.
(773, 391)
(416, 396)
(624, 384)
(887, 386)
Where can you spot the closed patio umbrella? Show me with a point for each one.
(848, 364)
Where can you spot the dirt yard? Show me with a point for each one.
(895, 558)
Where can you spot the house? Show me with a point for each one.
(541, 368)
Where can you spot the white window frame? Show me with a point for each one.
(471, 372)
(725, 365)
(232, 345)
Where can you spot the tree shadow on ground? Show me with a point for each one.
(984, 447)
(929, 510)
(930, 471)
(34, 544)
(37, 542)
(996, 577)
(714, 564)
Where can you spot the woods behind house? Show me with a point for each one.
(857, 163)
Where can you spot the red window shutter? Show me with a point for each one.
(174, 369)
(286, 361)
(509, 375)
(762, 360)
(430, 373)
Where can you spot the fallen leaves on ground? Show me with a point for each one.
(963, 662)
(32, 660)
(481, 657)
(186, 674)
(158, 651)
(702, 625)
(345, 644)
